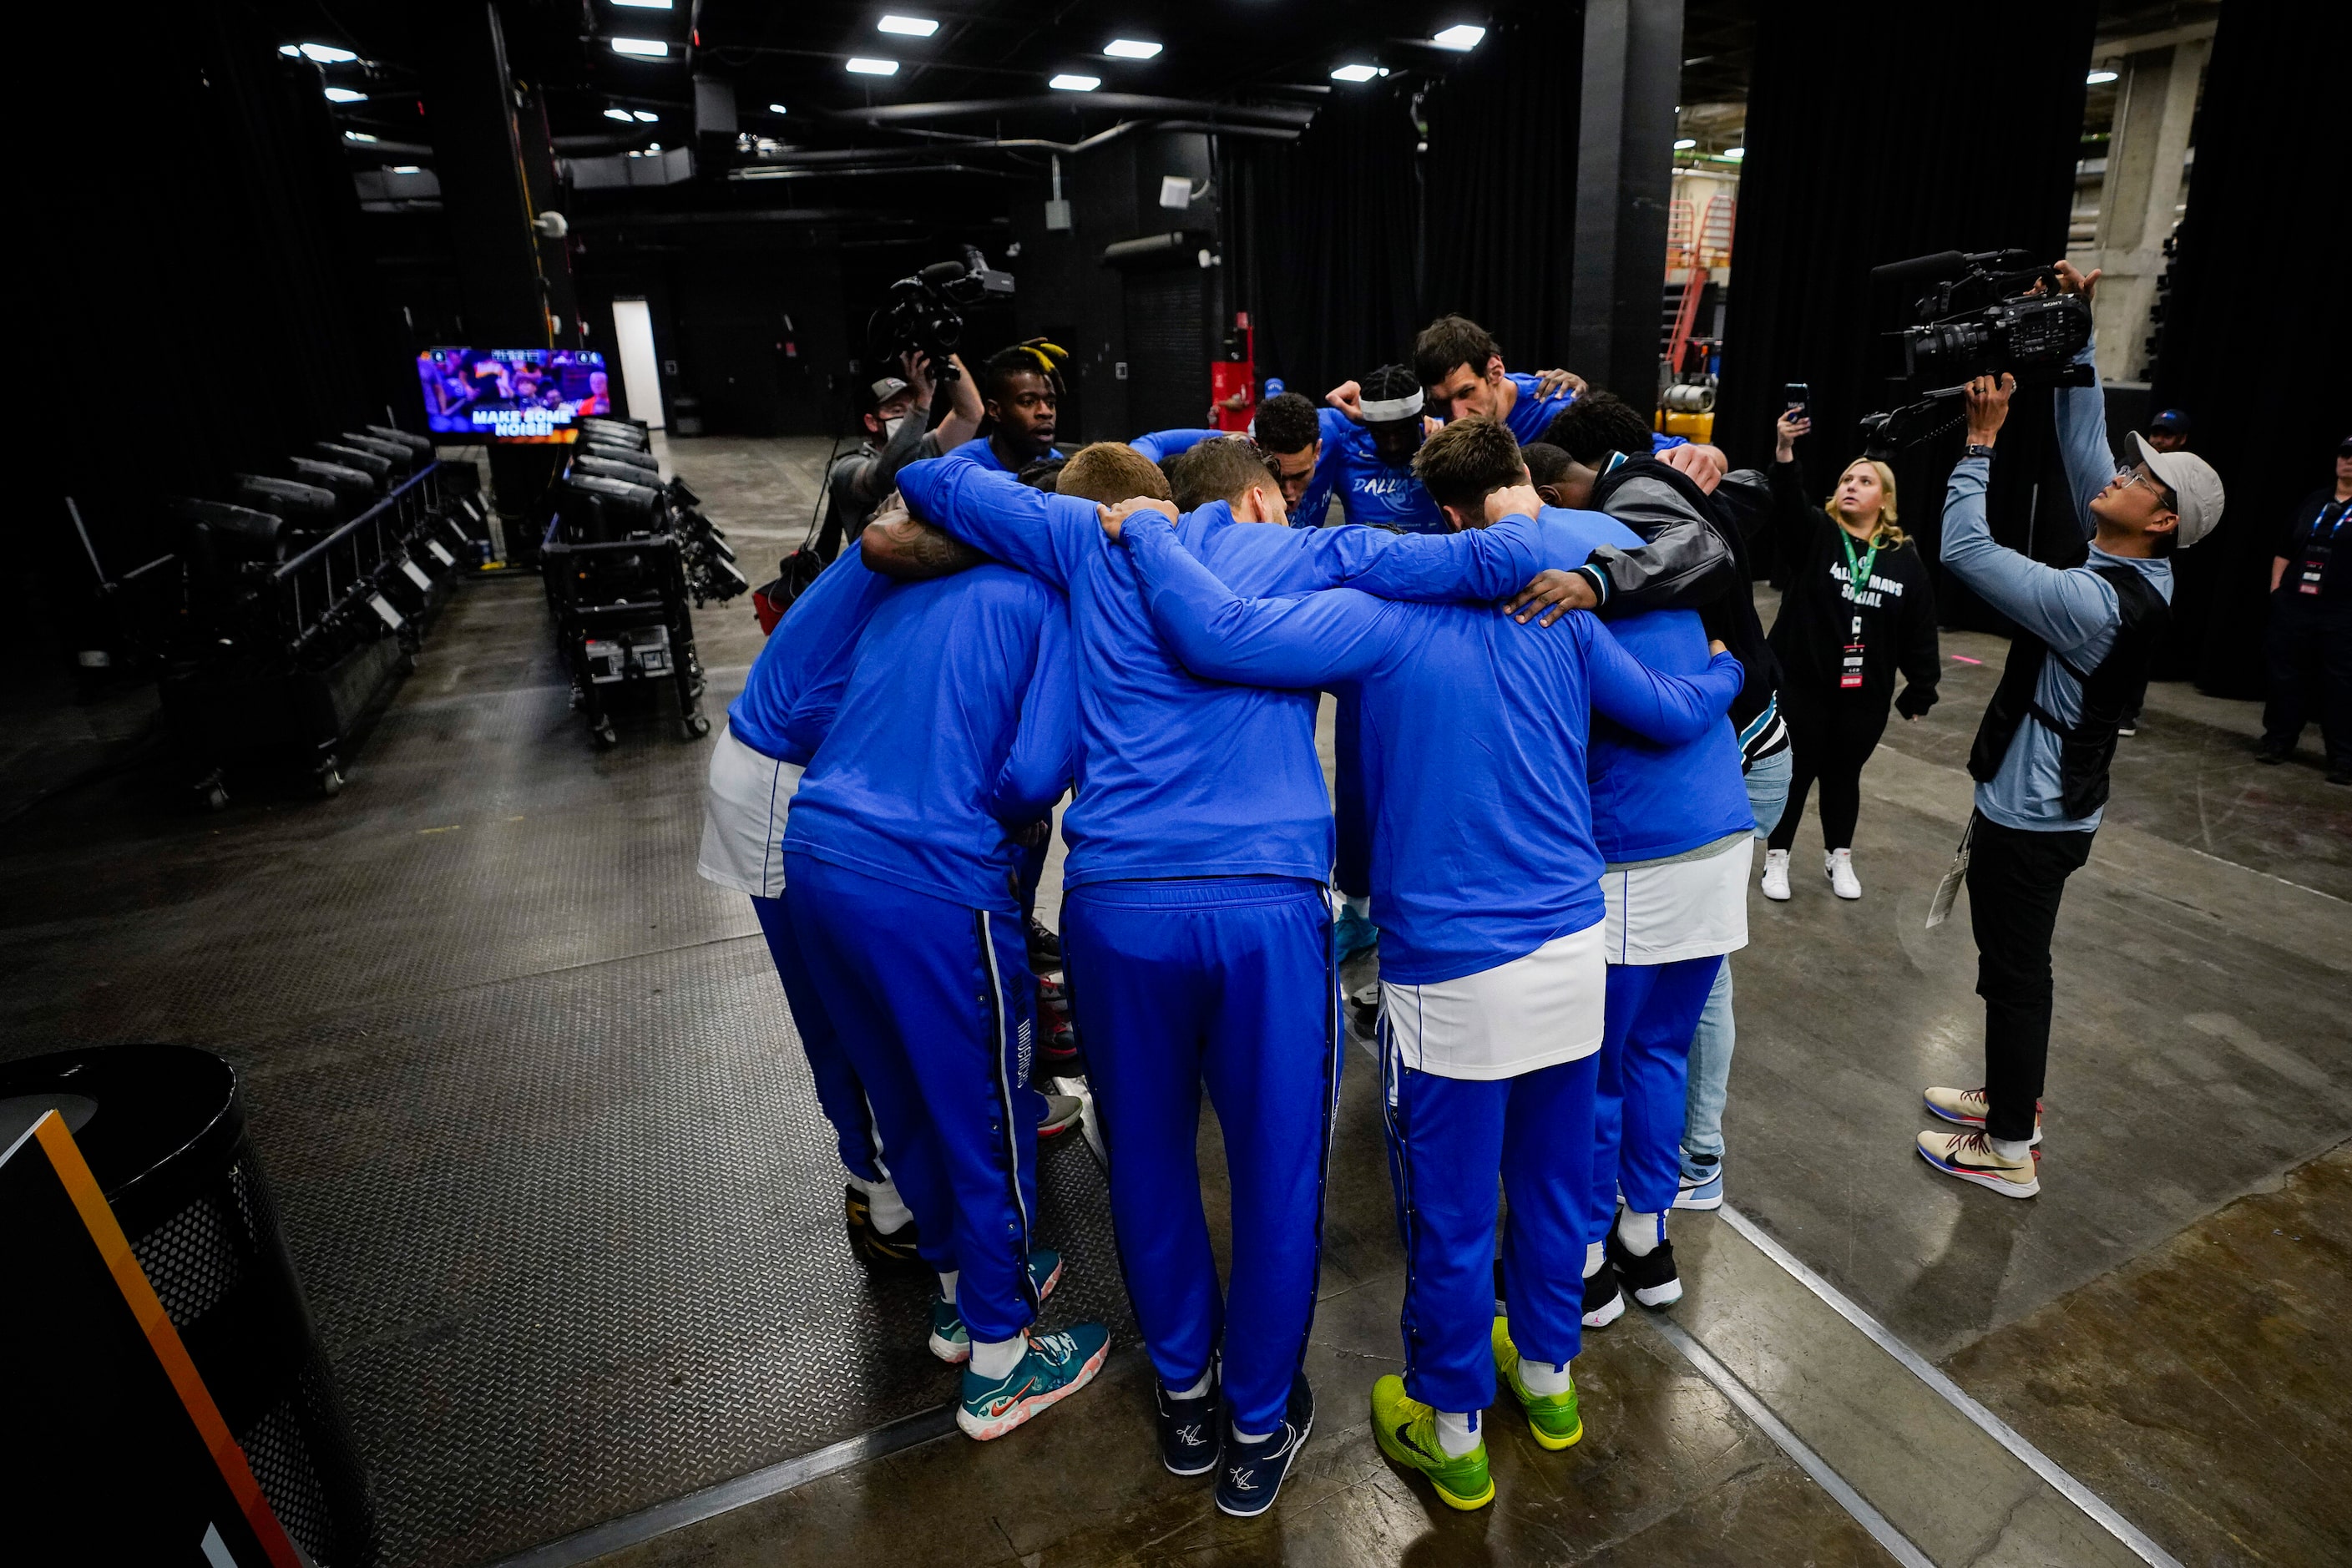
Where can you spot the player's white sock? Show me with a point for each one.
(1639, 1233)
(1241, 1437)
(948, 1286)
(2012, 1148)
(995, 1359)
(1457, 1432)
(882, 1201)
(1594, 1257)
(1194, 1392)
(1542, 1377)
(1358, 905)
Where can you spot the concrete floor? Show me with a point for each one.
(475, 936)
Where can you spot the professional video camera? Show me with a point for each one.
(926, 311)
(1992, 312)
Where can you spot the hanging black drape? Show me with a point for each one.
(1501, 172)
(2253, 326)
(1327, 228)
(1914, 129)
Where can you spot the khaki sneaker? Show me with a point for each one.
(1969, 1108)
(1971, 1157)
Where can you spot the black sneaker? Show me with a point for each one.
(1603, 1302)
(1190, 1430)
(1254, 1472)
(2267, 753)
(1045, 947)
(892, 1250)
(1653, 1279)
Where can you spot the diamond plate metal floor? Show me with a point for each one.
(551, 1167)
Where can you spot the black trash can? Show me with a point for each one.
(163, 1130)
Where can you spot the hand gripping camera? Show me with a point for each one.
(1987, 313)
(925, 312)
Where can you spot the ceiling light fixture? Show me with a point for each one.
(1734, 153)
(357, 136)
(408, 168)
(644, 117)
(646, 5)
(1464, 37)
(644, 48)
(2097, 77)
(862, 66)
(622, 115)
(1070, 83)
(1355, 73)
(777, 109)
(908, 27)
(344, 95)
(324, 54)
(1130, 49)
(1685, 144)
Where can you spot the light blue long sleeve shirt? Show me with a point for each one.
(2074, 610)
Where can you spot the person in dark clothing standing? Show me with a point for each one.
(1856, 606)
(2309, 646)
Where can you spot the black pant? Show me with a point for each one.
(2015, 880)
(2309, 650)
(1830, 737)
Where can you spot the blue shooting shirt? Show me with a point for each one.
(1369, 491)
(1160, 445)
(1530, 415)
(817, 631)
(1474, 726)
(1180, 776)
(951, 719)
(979, 450)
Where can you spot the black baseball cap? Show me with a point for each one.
(2173, 419)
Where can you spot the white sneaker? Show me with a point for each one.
(1775, 875)
(1838, 867)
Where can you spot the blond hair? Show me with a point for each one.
(1110, 472)
(1886, 536)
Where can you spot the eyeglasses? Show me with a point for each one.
(2134, 474)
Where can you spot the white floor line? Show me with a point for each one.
(1899, 1546)
(2033, 1459)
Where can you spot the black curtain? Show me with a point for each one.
(1923, 129)
(1327, 228)
(2253, 321)
(1502, 184)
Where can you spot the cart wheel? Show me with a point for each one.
(330, 778)
(605, 736)
(695, 726)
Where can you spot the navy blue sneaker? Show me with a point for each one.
(1254, 1472)
(1190, 1430)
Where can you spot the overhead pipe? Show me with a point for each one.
(819, 158)
(1289, 115)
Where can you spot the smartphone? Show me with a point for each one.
(1796, 395)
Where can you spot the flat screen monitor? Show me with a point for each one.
(513, 395)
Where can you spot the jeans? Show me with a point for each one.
(1710, 1058)
(2015, 881)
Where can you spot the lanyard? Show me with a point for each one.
(1857, 576)
(2334, 528)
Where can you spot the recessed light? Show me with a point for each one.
(1460, 38)
(1685, 144)
(408, 168)
(357, 136)
(644, 117)
(1734, 153)
(646, 5)
(325, 54)
(291, 51)
(344, 95)
(777, 109)
(1071, 82)
(2096, 78)
(1130, 49)
(623, 115)
(644, 48)
(1355, 73)
(864, 66)
(908, 27)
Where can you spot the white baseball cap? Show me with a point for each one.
(2196, 488)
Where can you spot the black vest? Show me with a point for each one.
(2110, 691)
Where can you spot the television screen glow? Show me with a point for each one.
(513, 395)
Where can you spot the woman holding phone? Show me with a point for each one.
(1857, 606)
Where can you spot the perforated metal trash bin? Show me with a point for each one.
(163, 1130)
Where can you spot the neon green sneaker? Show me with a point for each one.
(1407, 1432)
(1552, 1417)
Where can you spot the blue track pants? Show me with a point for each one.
(837, 1089)
(934, 1003)
(1226, 980)
(1448, 1138)
(1637, 1106)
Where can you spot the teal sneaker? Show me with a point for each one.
(1053, 1368)
(950, 1343)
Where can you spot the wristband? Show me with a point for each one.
(1978, 449)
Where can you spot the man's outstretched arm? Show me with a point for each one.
(1041, 534)
(1308, 641)
(1670, 709)
(2064, 609)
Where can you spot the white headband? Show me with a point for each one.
(1387, 410)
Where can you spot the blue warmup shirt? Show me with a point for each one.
(1162, 445)
(1179, 776)
(1482, 844)
(822, 623)
(1370, 492)
(1651, 799)
(1531, 414)
(951, 719)
(978, 450)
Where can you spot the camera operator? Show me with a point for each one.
(896, 411)
(2078, 663)
(2309, 645)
